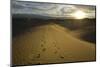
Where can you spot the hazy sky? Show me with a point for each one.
(48, 9)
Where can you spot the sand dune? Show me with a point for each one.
(50, 43)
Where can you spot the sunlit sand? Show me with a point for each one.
(50, 43)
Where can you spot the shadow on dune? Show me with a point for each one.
(20, 25)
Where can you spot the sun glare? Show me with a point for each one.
(79, 15)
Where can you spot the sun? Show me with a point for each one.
(79, 15)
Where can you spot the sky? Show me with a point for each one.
(50, 9)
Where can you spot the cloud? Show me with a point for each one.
(50, 9)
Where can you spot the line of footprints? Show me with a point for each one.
(44, 49)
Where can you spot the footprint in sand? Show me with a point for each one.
(55, 52)
(44, 49)
(41, 45)
(38, 56)
(43, 41)
(61, 57)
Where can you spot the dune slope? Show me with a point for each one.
(50, 43)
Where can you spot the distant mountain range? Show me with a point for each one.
(31, 16)
(37, 16)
